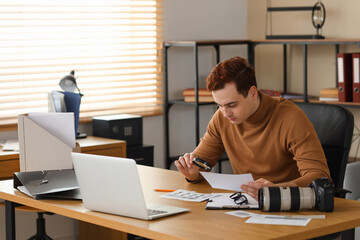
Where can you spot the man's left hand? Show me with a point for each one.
(252, 188)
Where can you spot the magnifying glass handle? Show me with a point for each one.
(202, 164)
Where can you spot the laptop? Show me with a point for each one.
(112, 185)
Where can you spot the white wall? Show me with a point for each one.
(183, 20)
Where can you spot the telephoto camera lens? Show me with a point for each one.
(320, 194)
(275, 199)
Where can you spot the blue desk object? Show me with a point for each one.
(72, 103)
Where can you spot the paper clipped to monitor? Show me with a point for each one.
(227, 181)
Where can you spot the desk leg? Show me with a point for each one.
(10, 219)
(348, 234)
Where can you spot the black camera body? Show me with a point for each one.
(319, 195)
(324, 193)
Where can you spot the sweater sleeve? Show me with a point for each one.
(211, 147)
(304, 144)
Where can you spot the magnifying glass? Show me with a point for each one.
(202, 164)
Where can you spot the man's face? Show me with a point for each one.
(233, 105)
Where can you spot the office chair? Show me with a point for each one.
(40, 227)
(351, 182)
(334, 126)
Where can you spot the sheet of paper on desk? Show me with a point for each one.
(292, 220)
(223, 201)
(186, 195)
(11, 145)
(227, 181)
(274, 220)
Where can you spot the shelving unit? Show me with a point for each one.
(251, 44)
(304, 43)
(196, 105)
(291, 9)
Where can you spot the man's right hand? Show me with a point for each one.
(185, 165)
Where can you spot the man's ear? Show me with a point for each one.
(253, 91)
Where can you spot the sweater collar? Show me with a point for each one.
(266, 104)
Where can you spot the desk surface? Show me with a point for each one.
(196, 224)
(9, 160)
(89, 143)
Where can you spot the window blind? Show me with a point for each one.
(114, 47)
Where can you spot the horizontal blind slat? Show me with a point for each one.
(115, 48)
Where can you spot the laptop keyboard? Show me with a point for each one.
(153, 212)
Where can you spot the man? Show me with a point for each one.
(271, 138)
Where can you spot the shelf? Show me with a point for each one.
(332, 41)
(283, 9)
(294, 37)
(344, 104)
(353, 159)
(193, 43)
(181, 101)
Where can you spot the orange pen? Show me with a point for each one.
(164, 190)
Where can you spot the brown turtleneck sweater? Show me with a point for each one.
(278, 143)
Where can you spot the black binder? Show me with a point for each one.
(48, 184)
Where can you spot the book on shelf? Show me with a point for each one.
(201, 99)
(203, 95)
(329, 92)
(294, 95)
(356, 77)
(328, 99)
(201, 92)
(329, 95)
(286, 95)
(345, 77)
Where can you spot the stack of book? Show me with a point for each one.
(329, 95)
(204, 95)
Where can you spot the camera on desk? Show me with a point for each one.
(319, 195)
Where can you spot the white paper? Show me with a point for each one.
(61, 125)
(279, 220)
(186, 195)
(11, 145)
(244, 214)
(223, 200)
(227, 181)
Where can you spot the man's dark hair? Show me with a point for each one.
(236, 70)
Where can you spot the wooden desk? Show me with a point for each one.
(196, 224)
(9, 161)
